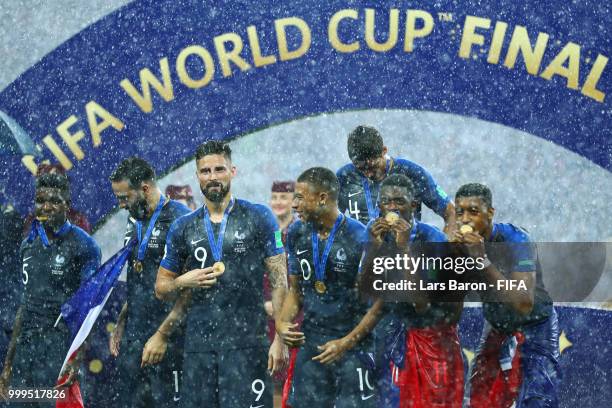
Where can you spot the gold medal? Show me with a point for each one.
(138, 266)
(465, 229)
(320, 287)
(391, 217)
(219, 267)
(42, 218)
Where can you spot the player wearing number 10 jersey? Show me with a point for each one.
(218, 254)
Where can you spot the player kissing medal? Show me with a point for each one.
(216, 245)
(320, 262)
(143, 242)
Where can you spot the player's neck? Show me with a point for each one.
(216, 209)
(52, 229)
(152, 202)
(326, 221)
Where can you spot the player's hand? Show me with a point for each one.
(69, 375)
(278, 356)
(114, 342)
(378, 230)
(198, 278)
(333, 351)
(473, 243)
(402, 229)
(288, 335)
(269, 308)
(154, 350)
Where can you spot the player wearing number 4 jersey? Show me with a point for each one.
(215, 261)
(56, 258)
(360, 180)
(325, 249)
(148, 368)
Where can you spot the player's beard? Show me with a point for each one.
(139, 209)
(216, 196)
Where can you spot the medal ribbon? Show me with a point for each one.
(216, 246)
(38, 230)
(319, 263)
(373, 210)
(143, 242)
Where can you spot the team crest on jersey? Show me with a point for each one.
(239, 244)
(58, 266)
(341, 255)
(155, 232)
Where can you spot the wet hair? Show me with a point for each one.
(322, 179)
(213, 147)
(55, 180)
(399, 180)
(364, 143)
(475, 190)
(135, 171)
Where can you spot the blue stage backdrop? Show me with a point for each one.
(156, 78)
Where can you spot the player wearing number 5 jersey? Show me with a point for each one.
(217, 255)
(56, 258)
(325, 249)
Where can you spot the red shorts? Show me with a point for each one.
(490, 387)
(433, 369)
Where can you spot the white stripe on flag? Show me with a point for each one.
(85, 329)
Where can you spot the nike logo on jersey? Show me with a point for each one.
(195, 242)
(363, 397)
(354, 194)
(26, 259)
(176, 398)
(298, 252)
(258, 406)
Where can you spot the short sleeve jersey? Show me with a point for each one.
(352, 196)
(145, 311)
(230, 314)
(518, 254)
(53, 274)
(337, 311)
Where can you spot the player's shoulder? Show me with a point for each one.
(187, 219)
(252, 209)
(297, 228)
(176, 209)
(354, 226)
(83, 238)
(401, 165)
(511, 233)
(430, 233)
(346, 170)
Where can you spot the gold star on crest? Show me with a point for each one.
(564, 342)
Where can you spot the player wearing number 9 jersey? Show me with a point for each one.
(225, 361)
(56, 258)
(325, 249)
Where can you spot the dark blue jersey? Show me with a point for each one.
(337, 311)
(230, 314)
(52, 274)
(352, 196)
(427, 241)
(508, 258)
(145, 311)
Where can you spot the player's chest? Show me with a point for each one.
(236, 239)
(50, 264)
(153, 239)
(341, 263)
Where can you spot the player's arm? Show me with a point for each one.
(5, 378)
(292, 304)
(155, 348)
(276, 267)
(436, 198)
(450, 218)
(117, 334)
(524, 252)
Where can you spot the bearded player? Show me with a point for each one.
(149, 372)
(370, 164)
(218, 255)
(56, 258)
(325, 249)
(517, 361)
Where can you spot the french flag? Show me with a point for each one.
(81, 311)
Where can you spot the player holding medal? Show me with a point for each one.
(217, 255)
(148, 368)
(325, 249)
